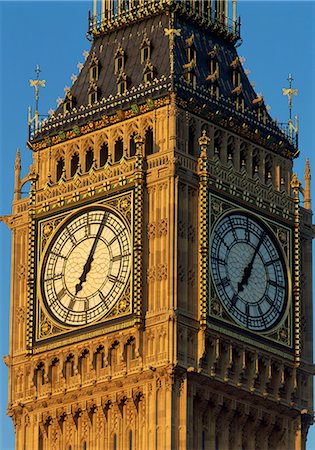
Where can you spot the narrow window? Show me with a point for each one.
(74, 164)
(148, 146)
(255, 165)
(217, 143)
(132, 145)
(243, 156)
(191, 140)
(60, 167)
(40, 442)
(84, 445)
(148, 77)
(130, 440)
(119, 149)
(203, 441)
(103, 155)
(114, 442)
(93, 97)
(89, 157)
(230, 149)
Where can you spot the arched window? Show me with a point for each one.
(243, 155)
(268, 170)
(132, 145)
(103, 155)
(74, 164)
(230, 148)
(89, 157)
(119, 149)
(255, 165)
(148, 146)
(84, 445)
(217, 143)
(60, 167)
(191, 140)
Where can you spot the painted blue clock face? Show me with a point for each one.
(249, 271)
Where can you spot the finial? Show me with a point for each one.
(17, 160)
(17, 177)
(290, 92)
(36, 83)
(307, 190)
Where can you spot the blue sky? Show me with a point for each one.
(277, 39)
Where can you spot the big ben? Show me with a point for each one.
(167, 296)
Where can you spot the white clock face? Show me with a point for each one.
(248, 271)
(86, 266)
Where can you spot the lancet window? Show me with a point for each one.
(148, 144)
(268, 170)
(103, 154)
(121, 83)
(68, 102)
(145, 50)
(191, 139)
(189, 68)
(119, 149)
(93, 92)
(217, 141)
(60, 168)
(94, 68)
(230, 148)
(119, 60)
(132, 145)
(243, 155)
(89, 158)
(74, 164)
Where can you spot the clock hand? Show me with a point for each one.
(87, 265)
(249, 267)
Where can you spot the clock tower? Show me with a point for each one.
(161, 288)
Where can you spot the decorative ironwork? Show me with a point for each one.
(114, 14)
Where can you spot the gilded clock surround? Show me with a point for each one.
(46, 228)
(282, 332)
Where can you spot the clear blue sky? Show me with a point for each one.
(277, 39)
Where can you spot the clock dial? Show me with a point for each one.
(249, 271)
(86, 266)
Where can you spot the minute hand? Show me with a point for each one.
(87, 265)
(248, 269)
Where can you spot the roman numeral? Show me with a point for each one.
(57, 276)
(71, 304)
(113, 240)
(113, 279)
(61, 294)
(272, 262)
(58, 255)
(224, 282)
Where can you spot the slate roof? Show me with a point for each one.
(130, 38)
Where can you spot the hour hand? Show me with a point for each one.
(86, 270)
(246, 275)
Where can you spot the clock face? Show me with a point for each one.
(249, 271)
(86, 266)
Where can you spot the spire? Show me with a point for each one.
(307, 190)
(17, 177)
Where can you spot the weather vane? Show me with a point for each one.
(36, 83)
(290, 92)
